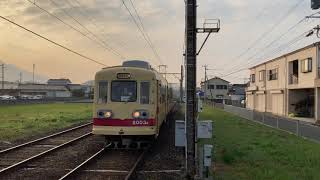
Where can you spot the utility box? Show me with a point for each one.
(180, 134)
(207, 153)
(204, 129)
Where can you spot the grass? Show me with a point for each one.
(247, 150)
(21, 121)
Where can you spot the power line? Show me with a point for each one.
(109, 48)
(70, 26)
(143, 33)
(53, 42)
(285, 16)
(277, 50)
(92, 20)
(279, 37)
(147, 35)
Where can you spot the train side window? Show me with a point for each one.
(103, 92)
(144, 92)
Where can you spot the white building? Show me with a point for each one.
(215, 89)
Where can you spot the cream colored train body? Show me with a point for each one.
(130, 100)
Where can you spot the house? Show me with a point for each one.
(288, 85)
(9, 88)
(60, 82)
(237, 92)
(48, 91)
(215, 89)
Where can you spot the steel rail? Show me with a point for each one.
(43, 138)
(84, 162)
(133, 169)
(2, 171)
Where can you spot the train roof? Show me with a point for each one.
(151, 70)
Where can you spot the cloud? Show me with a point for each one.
(242, 22)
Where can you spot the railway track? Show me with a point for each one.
(18, 156)
(108, 164)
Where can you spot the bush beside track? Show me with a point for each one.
(21, 121)
(247, 150)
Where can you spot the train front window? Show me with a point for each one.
(144, 92)
(103, 92)
(124, 91)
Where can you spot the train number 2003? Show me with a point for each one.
(140, 122)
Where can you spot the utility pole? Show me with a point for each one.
(191, 79)
(190, 58)
(2, 76)
(20, 77)
(205, 82)
(181, 84)
(33, 69)
(165, 70)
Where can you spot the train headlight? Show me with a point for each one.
(136, 114)
(107, 114)
(104, 114)
(140, 114)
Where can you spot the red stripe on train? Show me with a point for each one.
(124, 122)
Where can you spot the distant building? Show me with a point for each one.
(237, 92)
(288, 85)
(49, 91)
(60, 82)
(215, 89)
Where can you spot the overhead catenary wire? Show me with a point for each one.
(116, 52)
(53, 42)
(142, 31)
(92, 21)
(77, 30)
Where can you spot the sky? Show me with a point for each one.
(247, 28)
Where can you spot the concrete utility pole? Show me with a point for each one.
(191, 79)
(33, 69)
(205, 82)
(2, 76)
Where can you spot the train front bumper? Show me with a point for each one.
(124, 127)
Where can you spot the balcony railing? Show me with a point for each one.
(293, 79)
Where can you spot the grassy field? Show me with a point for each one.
(20, 121)
(246, 150)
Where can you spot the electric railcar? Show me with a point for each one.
(130, 102)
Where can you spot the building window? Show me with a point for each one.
(262, 75)
(210, 86)
(273, 74)
(144, 92)
(103, 92)
(253, 78)
(306, 65)
(222, 87)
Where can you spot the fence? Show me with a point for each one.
(300, 128)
